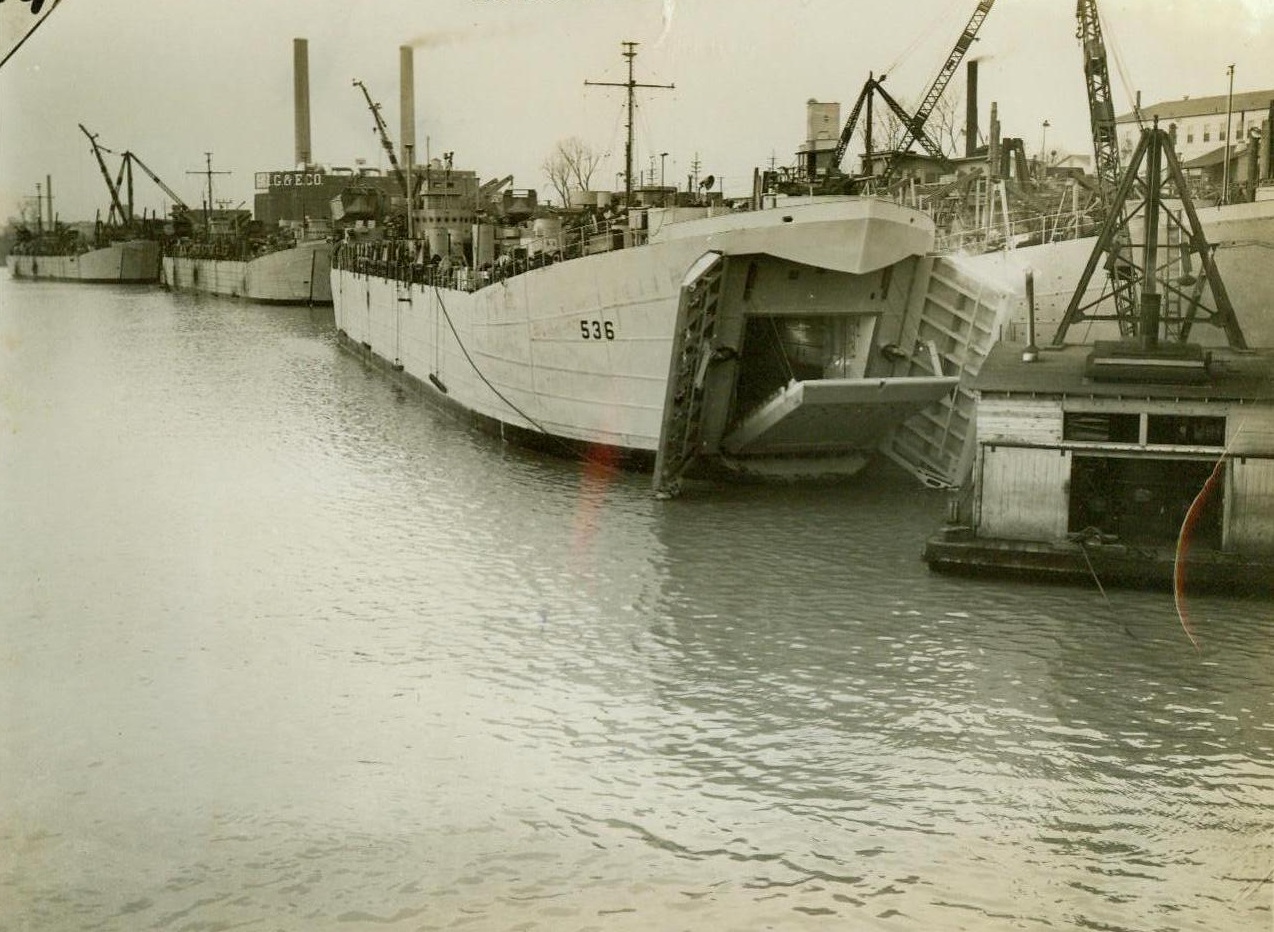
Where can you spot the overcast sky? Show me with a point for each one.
(498, 82)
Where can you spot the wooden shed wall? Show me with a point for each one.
(1019, 420)
(1249, 429)
(1024, 493)
(1251, 506)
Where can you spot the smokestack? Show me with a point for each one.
(971, 109)
(301, 98)
(407, 101)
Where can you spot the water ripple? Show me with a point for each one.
(287, 646)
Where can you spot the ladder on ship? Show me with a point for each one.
(680, 436)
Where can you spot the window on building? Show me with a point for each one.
(1101, 428)
(1189, 136)
(1185, 431)
(1207, 134)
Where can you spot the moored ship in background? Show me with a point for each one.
(290, 266)
(123, 249)
(66, 254)
(280, 251)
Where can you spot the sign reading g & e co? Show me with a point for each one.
(266, 181)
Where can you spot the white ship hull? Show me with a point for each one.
(299, 275)
(588, 350)
(1243, 235)
(129, 262)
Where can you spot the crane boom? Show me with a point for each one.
(155, 178)
(915, 125)
(101, 163)
(915, 131)
(1101, 113)
(383, 132)
(847, 132)
(1101, 109)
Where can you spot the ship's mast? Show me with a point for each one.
(208, 172)
(630, 52)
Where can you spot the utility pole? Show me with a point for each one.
(207, 214)
(1225, 170)
(630, 52)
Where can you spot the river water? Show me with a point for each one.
(283, 647)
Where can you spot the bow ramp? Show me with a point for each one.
(779, 368)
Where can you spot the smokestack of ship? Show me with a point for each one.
(971, 109)
(407, 102)
(301, 98)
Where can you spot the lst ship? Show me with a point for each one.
(701, 339)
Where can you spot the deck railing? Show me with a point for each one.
(409, 260)
(1019, 232)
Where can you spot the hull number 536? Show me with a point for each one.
(596, 330)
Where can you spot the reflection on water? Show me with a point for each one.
(284, 646)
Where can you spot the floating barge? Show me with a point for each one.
(1145, 460)
(1079, 478)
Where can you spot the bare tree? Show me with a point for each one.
(570, 166)
(943, 126)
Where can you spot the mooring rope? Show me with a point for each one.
(499, 394)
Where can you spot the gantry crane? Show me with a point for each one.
(914, 125)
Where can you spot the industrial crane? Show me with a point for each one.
(1101, 113)
(1153, 174)
(385, 141)
(1101, 109)
(178, 203)
(110, 185)
(124, 207)
(914, 125)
